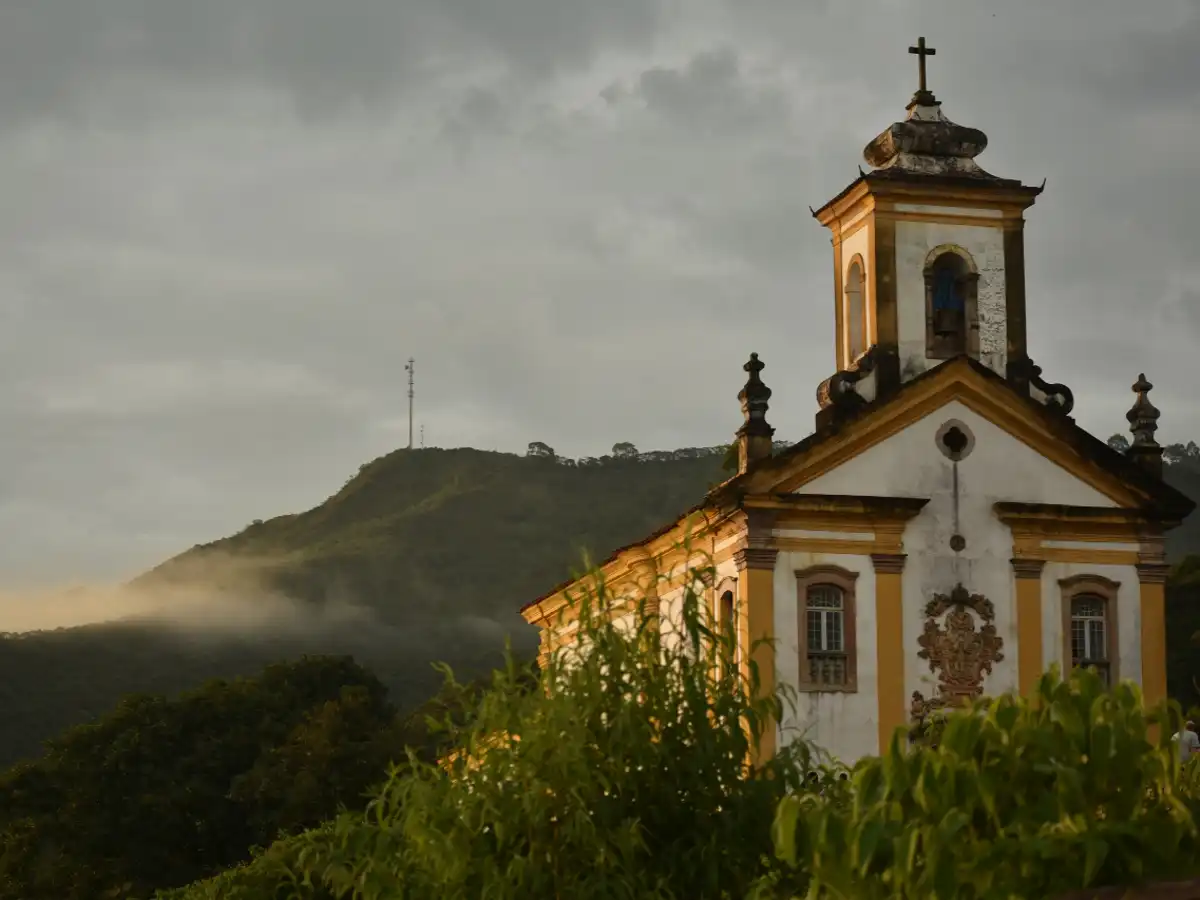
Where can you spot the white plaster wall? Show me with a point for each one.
(985, 243)
(727, 568)
(857, 243)
(1129, 614)
(999, 467)
(844, 725)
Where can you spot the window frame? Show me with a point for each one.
(1105, 590)
(846, 581)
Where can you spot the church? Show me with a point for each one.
(947, 531)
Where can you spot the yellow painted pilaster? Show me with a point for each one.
(1152, 577)
(756, 603)
(1030, 660)
(889, 644)
(645, 582)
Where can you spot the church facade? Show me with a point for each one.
(947, 531)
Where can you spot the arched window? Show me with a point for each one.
(951, 283)
(1090, 624)
(856, 310)
(727, 616)
(827, 629)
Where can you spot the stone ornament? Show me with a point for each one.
(960, 649)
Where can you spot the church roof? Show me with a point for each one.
(1158, 499)
(1157, 496)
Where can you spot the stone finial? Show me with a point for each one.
(1143, 422)
(755, 435)
(926, 142)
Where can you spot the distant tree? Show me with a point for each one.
(342, 748)
(538, 449)
(141, 799)
(730, 462)
(1181, 453)
(1118, 442)
(624, 450)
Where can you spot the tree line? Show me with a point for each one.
(625, 452)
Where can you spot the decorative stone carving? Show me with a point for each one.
(959, 651)
(1026, 372)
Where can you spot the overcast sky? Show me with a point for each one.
(225, 225)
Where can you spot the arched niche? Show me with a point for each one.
(951, 303)
(855, 301)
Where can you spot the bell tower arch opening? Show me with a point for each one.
(951, 303)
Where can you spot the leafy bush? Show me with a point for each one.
(1018, 798)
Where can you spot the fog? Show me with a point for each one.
(220, 596)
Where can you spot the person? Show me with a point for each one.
(1188, 741)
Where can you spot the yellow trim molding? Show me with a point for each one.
(756, 597)
(889, 644)
(1152, 580)
(1030, 663)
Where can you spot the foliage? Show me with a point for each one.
(625, 776)
(1018, 798)
(1183, 631)
(159, 792)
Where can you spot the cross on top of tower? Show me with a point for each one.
(921, 52)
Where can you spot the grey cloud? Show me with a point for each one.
(227, 225)
(709, 94)
(54, 58)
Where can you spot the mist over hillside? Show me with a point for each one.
(423, 556)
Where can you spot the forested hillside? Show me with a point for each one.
(441, 547)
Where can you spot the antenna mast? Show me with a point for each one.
(409, 368)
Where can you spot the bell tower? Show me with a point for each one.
(929, 260)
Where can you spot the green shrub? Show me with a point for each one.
(1018, 798)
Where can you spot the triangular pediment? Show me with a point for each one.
(1027, 429)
